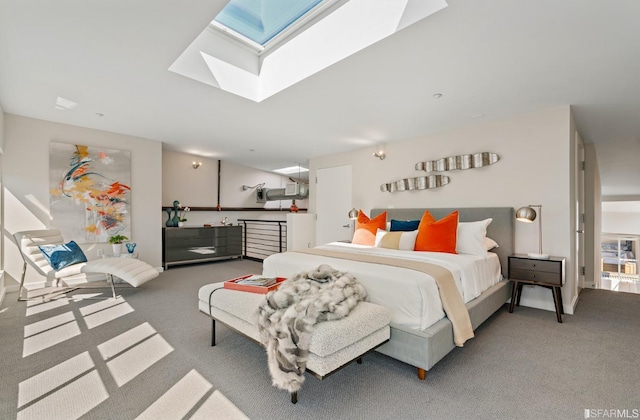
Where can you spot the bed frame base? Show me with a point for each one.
(423, 349)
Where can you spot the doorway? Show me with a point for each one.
(333, 202)
(620, 245)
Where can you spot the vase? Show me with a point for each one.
(117, 249)
(130, 247)
(180, 224)
(169, 222)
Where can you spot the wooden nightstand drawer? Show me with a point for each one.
(536, 265)
(539, 276)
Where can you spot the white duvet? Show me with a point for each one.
(412, 296)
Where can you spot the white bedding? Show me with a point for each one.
(412, 296)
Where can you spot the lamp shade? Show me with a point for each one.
(526, 214)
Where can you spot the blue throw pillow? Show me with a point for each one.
(63, 255)
(404, 225)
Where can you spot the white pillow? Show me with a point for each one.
(471, 236)
(404, 241)
(490, 243)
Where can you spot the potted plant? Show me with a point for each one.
(181, 216)
(116, 242)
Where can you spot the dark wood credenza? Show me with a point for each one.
(185, 245)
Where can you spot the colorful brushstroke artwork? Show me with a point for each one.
(90, 191)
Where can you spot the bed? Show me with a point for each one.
(421, 335)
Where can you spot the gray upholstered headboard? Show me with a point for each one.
(500, 230)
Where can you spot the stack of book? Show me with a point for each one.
(258, 280)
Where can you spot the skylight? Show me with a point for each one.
(291, 170)
(261, 20)
(306, 37)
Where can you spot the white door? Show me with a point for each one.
(333, 202)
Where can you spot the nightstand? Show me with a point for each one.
(546, 273)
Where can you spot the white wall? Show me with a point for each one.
(2, 285)
(621, 223)
(199, 188)
(534, 168)
(1, 129)
(26, 185)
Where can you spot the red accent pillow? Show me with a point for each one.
(437, 236)
(365, 233)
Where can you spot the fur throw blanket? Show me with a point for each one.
(287, 316)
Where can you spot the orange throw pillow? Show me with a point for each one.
(437, 236)
(365, 233)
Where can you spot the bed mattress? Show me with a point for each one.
(412, 296)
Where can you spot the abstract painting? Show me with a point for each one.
(90, 193)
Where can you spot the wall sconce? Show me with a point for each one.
(196, 165)
(246, 187)
(380, 154)
(528, 215)
(353, 214)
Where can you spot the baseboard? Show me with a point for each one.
(3, 293)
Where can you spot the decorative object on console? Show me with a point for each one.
(116, 241)
(173, 221)
(528, 215)
(131, 246)
(452, 163)
(182, 214)
(417, 183)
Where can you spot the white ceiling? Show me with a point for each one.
(490, 57)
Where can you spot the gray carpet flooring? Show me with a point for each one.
(149, 355)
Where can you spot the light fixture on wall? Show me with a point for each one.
(246, 187)
(353, 214)
(528, 215)
(380, 154)
(196, 165)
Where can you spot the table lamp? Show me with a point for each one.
(528, 215)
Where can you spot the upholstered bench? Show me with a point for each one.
(333, 343)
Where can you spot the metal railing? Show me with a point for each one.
(262, 238)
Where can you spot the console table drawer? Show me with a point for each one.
(192, 244)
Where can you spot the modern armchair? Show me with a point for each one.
(130, 270)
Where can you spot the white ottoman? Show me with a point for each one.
(333, 343)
